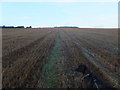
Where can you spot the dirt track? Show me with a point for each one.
(48, 57)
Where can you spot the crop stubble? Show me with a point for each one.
(25, 54)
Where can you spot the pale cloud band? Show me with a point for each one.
(59, 1)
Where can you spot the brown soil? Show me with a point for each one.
(26, 51)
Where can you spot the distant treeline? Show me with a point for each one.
(14, 27)
(31, 27)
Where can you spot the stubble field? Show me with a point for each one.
(48, 58)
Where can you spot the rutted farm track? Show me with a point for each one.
(49, 60)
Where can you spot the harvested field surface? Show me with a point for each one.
(60, 58)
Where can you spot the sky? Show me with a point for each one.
(50, 14)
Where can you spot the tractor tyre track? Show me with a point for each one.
(91, 62)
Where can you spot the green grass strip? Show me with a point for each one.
(50, 67)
